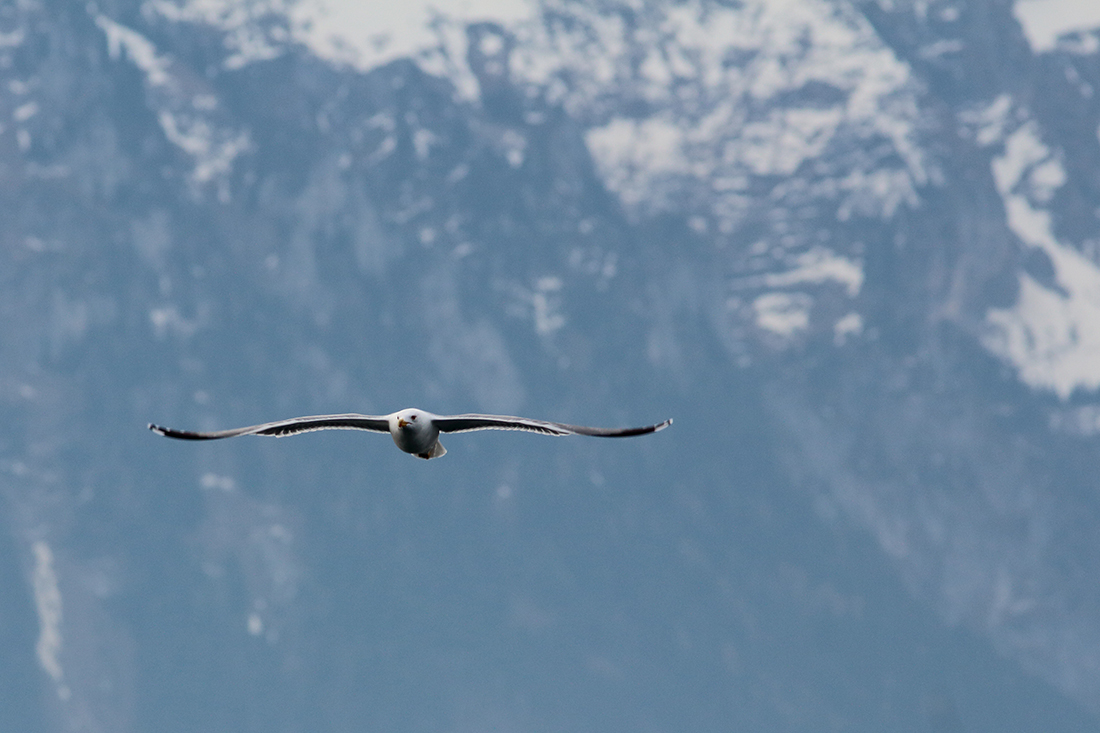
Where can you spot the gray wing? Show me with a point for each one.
(465, 423)
(351, 421)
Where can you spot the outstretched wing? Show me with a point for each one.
(351, 421)
(465, 423)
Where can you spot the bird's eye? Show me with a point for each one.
(412, 417)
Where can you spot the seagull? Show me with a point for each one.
(414, 431)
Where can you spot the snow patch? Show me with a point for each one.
(47, 600)
(249, 35)
(139, 50)
(214, 481)
(820, 265)
(991, 121)
(1045, 21)
(24, 112)
(168, 320)
(632, 154)
(784, 314)
(1022, 151)
(547, 319)
(367, 35)
(183, 117)
(1053, 341)
(363, 35)
(718, 122)
(213, 152)
(1051, 335)
(12, 39)
(540, 303)
(849, 326)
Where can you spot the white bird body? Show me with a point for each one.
(416, 434)
(413, 431)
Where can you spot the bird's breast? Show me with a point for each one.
(414, 438)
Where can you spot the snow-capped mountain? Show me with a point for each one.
(853, 248)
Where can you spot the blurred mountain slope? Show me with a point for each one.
(849, 247)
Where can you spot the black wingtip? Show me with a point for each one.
(659, 426)
(161, 430)
(629, 432)
(178, 434)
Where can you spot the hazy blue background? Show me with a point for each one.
(850, 247)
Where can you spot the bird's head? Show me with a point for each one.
(407, 419)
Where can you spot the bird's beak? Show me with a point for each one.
(401, 422)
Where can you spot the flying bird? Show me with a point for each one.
(414, 431)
